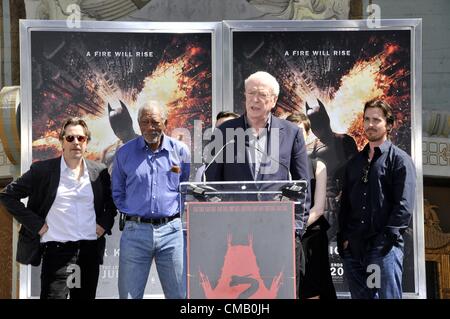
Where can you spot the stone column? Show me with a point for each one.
(6, 259)
(8, 61)
(17, 12)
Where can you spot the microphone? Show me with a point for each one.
(214, 158)
(293, 192)
(199, 193)
(247, 144)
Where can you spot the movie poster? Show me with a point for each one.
(329, 75)
(103, 77)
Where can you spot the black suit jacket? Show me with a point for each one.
(291, 155)
(40, 185)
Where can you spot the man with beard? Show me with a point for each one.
(146, 174)
(377, 203)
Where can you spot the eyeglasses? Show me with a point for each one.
(71, 138)
(259, 94)
(365, 176)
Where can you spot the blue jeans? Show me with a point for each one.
(388, 285)
(139, 244)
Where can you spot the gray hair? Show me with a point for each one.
(267, 77)
(152, 104)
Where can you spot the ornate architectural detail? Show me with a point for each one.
(436, 123)
(304, 9)
(5, 164)
(434, 237)
(90, 9)
(437, 248)
(436, 156)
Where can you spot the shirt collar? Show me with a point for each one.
(385, 146)
(267, 126)
(381, 149)
(165, 145)
(65, 168)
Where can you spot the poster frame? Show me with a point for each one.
(28, 26)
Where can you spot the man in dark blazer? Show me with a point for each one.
(261, 147)
(69, 211)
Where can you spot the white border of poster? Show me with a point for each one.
(28, 26)
(231, 28)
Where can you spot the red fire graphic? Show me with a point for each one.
(240, 277)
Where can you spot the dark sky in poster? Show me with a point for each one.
(342, 69)
(79, 73)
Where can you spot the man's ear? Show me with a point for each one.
(275, 99)
(389, 127)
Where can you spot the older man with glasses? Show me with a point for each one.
(274, 149)
(69, 211)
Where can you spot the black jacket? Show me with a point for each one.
(291, 155)
(40, 185)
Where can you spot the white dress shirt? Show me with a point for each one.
(72, 215)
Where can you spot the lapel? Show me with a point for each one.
(55, 173)
(245, 169)
(95, 181)
(276, 124)
(248, 166)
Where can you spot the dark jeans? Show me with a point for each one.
(59, 260)
(375, 276)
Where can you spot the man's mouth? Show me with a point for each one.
(151, 136)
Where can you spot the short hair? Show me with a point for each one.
(223, 114)
(152, 103)
(73, 121)
(385, 107)
(300, 117)
(269, 78)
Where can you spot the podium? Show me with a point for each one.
(241, 238)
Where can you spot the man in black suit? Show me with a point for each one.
(261, 147)
(69, 211)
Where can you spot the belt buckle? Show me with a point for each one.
(160, 221)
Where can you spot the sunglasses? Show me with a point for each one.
(71, 138)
